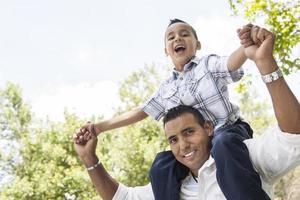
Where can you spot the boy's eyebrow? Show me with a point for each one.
(181, 30)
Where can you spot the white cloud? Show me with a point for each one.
(84, 99)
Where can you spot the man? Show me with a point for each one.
(190, 138)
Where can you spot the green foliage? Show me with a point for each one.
(283, 19)
(48, 167)
(129, 152)
(256, 111)
(139, 86)
(14, 114)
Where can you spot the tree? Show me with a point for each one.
(256, 110)
(48, 166)
(41, 160)
(283, 19)
(129, 152)
(15, 118)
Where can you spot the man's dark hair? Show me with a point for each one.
(177, 111)
(173, 21)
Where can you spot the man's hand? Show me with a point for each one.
(258, 42)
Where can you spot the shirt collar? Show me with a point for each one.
(191, 64)
(208, 164)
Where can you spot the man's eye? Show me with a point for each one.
(172, 141)
(189, 132)
(171, 38)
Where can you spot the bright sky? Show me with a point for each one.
(74, 53)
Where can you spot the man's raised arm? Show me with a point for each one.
(285, 104)
(105, 185)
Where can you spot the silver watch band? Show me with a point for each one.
(268, 78)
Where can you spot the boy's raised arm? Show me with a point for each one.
(125, 119)
(122, 120)
(238, 57)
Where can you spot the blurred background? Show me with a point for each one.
(65, 62)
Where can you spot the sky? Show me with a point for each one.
(73, 54)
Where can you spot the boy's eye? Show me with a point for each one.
(185, 34)
(170, 38)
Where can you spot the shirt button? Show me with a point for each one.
(181, 78)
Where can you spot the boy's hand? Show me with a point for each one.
(258, 42)
(245, 35)
(85, 133)
(261, 52)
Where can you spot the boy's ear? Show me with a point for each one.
(166, 52)
(198, 45)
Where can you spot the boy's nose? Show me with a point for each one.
(177, 38)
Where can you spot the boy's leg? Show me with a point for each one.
(235, 173)
(166, 174)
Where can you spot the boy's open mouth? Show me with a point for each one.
(179, 49)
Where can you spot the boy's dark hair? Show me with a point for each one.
(177, 111)
(173, 21)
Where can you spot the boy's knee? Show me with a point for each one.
(225, 141)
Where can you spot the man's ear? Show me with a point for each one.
(198, 45)
(209, 128)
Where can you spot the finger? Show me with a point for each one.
(83, 130)
(86, 136)
(243, 30)
(245, 35)
(247, 43)
(75, 136)
(249, 25)
(254, 32)
(261, 34)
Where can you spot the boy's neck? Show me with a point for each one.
(180, 67)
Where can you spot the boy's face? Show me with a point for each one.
(189, 141)
(180, 44)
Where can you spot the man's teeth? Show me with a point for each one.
(189, 154)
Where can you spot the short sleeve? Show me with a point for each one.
(217, 65)
(154, 106)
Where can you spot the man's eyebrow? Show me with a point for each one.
(171, 137)
(186, 129)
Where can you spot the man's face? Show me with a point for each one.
(180, 44)
(189, 141)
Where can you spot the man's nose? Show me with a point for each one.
(183, 144)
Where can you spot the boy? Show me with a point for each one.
(201, 83)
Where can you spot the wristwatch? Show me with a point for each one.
(268, 78)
